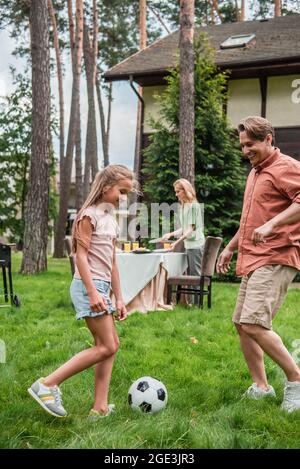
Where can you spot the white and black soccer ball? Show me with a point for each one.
(147, 395)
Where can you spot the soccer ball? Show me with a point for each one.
(147, 394)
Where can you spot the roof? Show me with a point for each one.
(277, 40)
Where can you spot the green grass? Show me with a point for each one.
(205, 380)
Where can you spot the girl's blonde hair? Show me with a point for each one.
(109, 176)
(188, 189)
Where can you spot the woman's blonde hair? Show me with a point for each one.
(188, 189)
(109, 176)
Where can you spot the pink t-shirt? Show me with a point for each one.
(101, 247)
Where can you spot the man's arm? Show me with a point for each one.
(288, 216)
(227, 253)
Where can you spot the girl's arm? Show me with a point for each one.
(97, 302)
(116, 288)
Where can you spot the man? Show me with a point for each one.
(268, 256)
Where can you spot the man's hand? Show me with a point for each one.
(260, 233)
(121, 311)
(97, 302)
(224, 261)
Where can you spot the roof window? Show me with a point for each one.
(240, 40)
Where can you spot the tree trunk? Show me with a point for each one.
(78, 164)
(102, 121)
(277, 8)
(242, 15)
(108, 120)
(60, 88)
(91, 157)
(36, 218)
(78, 149)
(215, 4)
(186, 111)
(65, 177)
(237, 10)
(138, 137)
(71, 29)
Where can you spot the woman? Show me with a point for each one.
(191, 225)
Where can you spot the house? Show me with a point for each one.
(263, 58)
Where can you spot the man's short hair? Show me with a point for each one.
(256, 128)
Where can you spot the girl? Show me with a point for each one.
(93, 240)
(191, 230)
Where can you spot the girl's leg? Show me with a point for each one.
(103, 371)
(107, 347)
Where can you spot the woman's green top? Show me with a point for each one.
(191, 214)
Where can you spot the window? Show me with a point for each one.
(240, 40)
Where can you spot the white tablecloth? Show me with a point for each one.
(140, 270)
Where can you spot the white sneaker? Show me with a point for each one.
(254, 392)
(291, 398)
(49, 398)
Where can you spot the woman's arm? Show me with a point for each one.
(172, 234)
(97, 302)
(185, 235)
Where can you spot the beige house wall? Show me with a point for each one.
(151, 105)
(283, 101)
(244, 99)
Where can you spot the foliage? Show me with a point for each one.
(262, 9)
(15, 142)
(219, 172)
(119, 30)
(203, 11)
(196, 355)
(15, 152)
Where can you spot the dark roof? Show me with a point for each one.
(277, 40)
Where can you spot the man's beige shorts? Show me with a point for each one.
(261, 294)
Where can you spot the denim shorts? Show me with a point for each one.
(81, 301)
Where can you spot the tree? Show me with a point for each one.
(60, 86)
(139, 118)
(267, 8)
(15, 145)
(36, 216)
(220, 175)
(65, 176)
(277, 7)
(186, 99)
(90, 58)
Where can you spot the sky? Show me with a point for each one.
(124, 106)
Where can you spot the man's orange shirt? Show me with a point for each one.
(271, 188)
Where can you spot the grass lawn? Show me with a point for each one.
(205, 378)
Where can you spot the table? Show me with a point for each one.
(143, 278)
